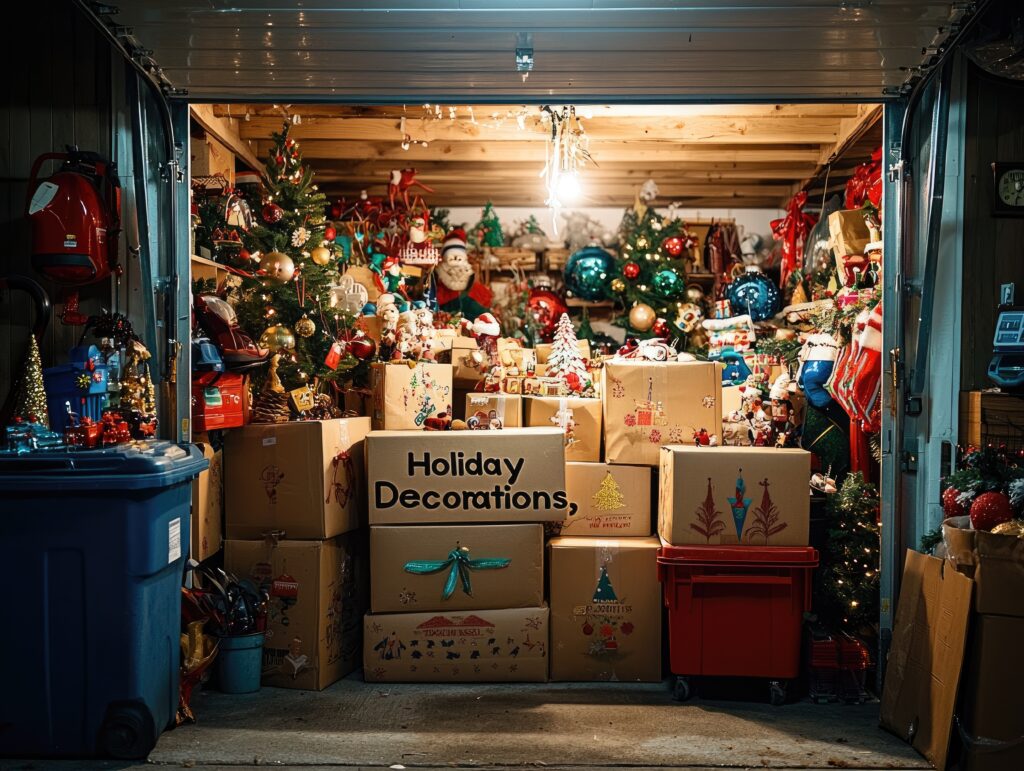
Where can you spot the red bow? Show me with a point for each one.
(792, 231)
(866, 183)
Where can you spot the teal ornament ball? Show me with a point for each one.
(668, 284)
(588, 273)
(754, 293)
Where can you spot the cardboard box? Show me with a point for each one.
(994, 562)
(478, 582)
(579, 419)
(991, 699)
(849, 233)
(466, 372)
(302, 478)
(428, 477)
(605, 609)
(648, 404)
(923, 673)
(544, 350)
(487, 410)
(489, 646)
(404, 397)
(728, 495)
(317, 600)
(208, 506)
(610, 500)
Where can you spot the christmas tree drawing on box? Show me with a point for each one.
(604, 592)
(766, 518)
(609, 495)
(605, 620)
(709, 520)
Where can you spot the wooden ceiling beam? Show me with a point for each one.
(225, 130)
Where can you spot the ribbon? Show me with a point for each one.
(458, 564)
(792, 231)
(866, 183)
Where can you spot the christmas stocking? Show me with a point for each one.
(868, 374)
(818, 359)
(840, 384)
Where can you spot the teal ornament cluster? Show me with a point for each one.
(588, 273)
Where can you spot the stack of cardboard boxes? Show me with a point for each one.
(295, 502)
(457, 553)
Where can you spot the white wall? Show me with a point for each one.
(752, 220)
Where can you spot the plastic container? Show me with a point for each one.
(736, 611)
(240, 663)
(94, 543)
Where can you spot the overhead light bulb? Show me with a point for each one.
(569, 189)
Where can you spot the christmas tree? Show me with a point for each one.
(847, 584)
(604, 591)
(488, 230)
(30, 402)
(286, 301)
(565, 361)
(652, 263)
(609, 495)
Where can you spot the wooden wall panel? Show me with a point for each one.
(993, 246)
(60, 95)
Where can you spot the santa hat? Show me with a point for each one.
(486, 324)
(780, 388)
(456, 239)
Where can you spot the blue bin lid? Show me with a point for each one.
(142, 464)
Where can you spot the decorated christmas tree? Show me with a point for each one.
(487, 232)
(651, 267)
(30, 402)
(847, 584)
(565, 361)
(609, 495)
(285, 301)
(604, 591)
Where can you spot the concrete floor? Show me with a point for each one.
(556, 725)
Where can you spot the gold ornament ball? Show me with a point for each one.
(278, 338)
(321, 255)
(305, 327)
(618, 285)
(641, 317)
(279, 267)
(694, 294)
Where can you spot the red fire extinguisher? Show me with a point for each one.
(76, 220)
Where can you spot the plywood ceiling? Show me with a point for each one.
(736, 156)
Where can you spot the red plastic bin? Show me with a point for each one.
(736, 611)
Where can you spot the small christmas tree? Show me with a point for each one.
(604, 591)
(565, 361)
(609, 495)
(709, 519)
(488, 229)
(30, 402)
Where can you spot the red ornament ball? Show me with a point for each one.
(989, 510)
(547, 308)
(336, 211)
(588, 628)
(330, 233)
(660, 328)
(631, 270)
(362, 347)
(673, 245)
(951, 507)
(627, 627)
(273, 213)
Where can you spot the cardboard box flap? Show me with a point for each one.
(593, 542)
(995, 562)
(926, 657)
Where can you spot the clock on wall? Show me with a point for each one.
(1009, 188)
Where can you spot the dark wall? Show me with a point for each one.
(993, 246)
(58, 92)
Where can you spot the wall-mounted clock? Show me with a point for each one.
(1008, 181)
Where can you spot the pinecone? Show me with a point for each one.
(270, 407)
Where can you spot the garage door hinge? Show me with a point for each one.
(896, 171)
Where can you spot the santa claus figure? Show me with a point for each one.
(458, 291)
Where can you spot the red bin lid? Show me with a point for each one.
(740, 556)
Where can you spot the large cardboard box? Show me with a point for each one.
(301, 478)
(995, 562)
(610, 500)
(466, 370)
(579, 419)
(405, 396)
(489, 646)
(498, 566)
(849, 232)
(648, 404)
(992, 695)
(317, 600)
(605, 609)
(730, 495)
(208, 506)
(438, 477)
(925, 658)
(487, 410)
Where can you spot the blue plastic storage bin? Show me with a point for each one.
(95, 541)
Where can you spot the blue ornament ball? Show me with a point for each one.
(754, 293)
(668, 284)
(588, 273)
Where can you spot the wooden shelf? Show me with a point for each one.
(205, 269)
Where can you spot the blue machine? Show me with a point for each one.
(1006, 369)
